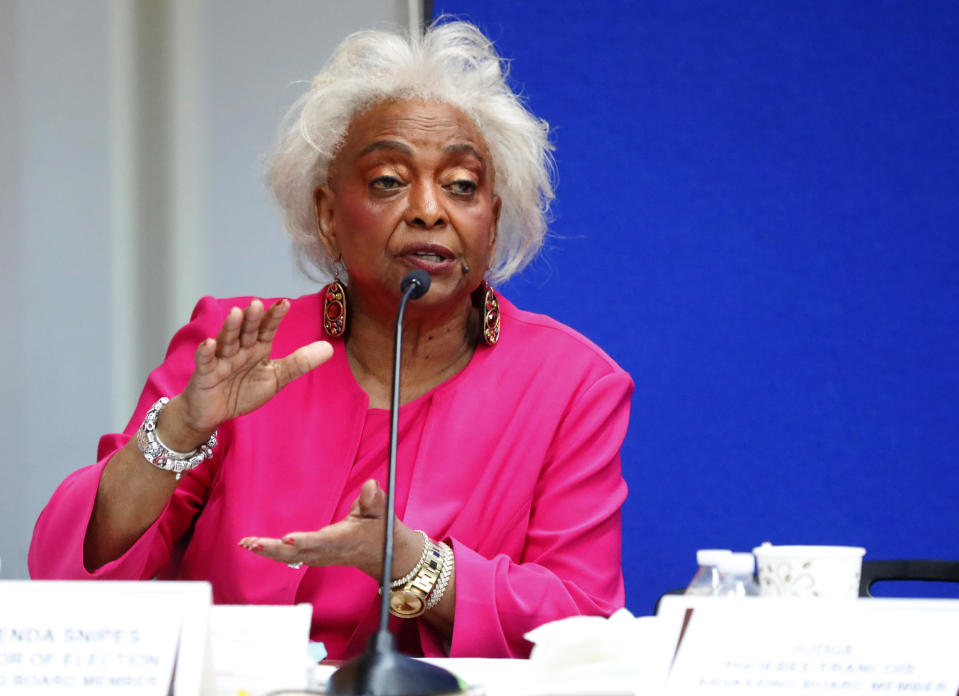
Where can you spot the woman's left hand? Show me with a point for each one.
(356, 540)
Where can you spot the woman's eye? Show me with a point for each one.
(462, 187)
(385, 183)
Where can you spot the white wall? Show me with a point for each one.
(132, 142)
(56, 232)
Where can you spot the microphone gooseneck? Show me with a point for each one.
(381, 670)
(414, 286)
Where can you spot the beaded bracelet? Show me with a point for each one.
(445, 574)
(409, 576)
(161, 456)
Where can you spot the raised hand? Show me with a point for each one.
(235, 375)
(356, 540)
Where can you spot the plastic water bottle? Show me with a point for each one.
(736, 577)
(706, 579)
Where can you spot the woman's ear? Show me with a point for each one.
(323, 202)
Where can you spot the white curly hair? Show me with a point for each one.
(452, 63)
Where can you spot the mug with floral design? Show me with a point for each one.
(809, 571)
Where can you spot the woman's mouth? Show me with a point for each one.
(429, 256)
(432, 258)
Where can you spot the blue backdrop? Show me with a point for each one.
(757, 217)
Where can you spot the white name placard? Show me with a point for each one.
(101, 637)
(754, 645)
(260, 648)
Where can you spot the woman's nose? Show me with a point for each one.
(425, 209)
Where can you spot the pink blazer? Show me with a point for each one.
(518, 468)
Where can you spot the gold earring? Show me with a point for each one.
(334, 308)
(490, 312)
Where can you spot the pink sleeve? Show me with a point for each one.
(571, 562)
(56, 550)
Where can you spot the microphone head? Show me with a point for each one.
(419, 280)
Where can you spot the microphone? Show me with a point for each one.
(381, 670)
(419, 280)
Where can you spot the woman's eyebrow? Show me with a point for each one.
(465, 149)
(386, 145)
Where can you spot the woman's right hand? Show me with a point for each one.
(235, 375)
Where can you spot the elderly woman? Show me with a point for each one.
(257, 454)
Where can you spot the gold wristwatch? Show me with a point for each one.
(409, 601)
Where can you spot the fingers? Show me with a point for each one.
(273, 549)
(297, 547)
(353, 541)
(250, 543)
(301, 361)
(272, 320)
(371, 501)
(227, 343)
(205, 356)
(252, 317)
(243, 328)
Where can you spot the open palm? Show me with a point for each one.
(234, 374)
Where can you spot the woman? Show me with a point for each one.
(264, 472)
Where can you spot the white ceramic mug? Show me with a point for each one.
(809, 571)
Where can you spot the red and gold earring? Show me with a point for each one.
(334, 308)
(490, 312)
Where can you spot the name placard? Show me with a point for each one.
(787, 647)
(260, 648)
(102, 637)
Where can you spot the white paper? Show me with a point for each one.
(791, 647)
(86, 638)
(257, 648)
(613, 656)
(491, 677)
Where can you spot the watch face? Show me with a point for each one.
(406, 603)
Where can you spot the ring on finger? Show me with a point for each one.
(296, 566)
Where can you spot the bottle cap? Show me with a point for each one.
(711, 557)
(738, 564)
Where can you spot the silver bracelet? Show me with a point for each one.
(419, 564)
(445, 574)
(161, 456)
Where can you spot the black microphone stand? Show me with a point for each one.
(381, 670)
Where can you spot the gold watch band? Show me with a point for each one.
(409, 601)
